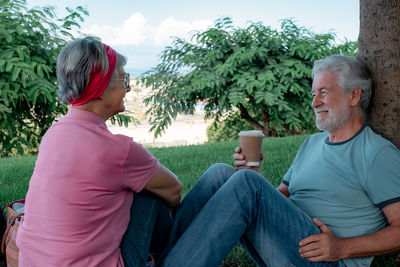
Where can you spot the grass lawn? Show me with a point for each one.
(188, 163)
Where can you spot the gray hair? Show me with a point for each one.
(352, 74)
(75, 62)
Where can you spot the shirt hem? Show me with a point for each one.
(387, 202)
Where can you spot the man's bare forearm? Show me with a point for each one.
(381, 242)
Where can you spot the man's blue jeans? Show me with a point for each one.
(226, 206)
(147, 233)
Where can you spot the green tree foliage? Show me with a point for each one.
(263, 73)
(227, 129)
(30, 41)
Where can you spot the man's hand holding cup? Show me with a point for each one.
(248, 155)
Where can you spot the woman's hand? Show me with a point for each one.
(240, 161)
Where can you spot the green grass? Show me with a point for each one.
(15, 173)
(188, 163)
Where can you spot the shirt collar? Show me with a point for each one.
(345, 141)
(84, 115)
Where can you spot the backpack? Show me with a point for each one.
(3, 226)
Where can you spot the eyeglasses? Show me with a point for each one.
(127, 81)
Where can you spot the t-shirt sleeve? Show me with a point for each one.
(288, 175)
(140, 166)
(300, 152)
(383, 178)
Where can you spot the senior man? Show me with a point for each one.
(338, 205)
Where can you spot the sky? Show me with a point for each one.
(141, 29)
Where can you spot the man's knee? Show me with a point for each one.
(222, 167)
(215, 176)
(220, 171)
(253, 179)
(249, 175)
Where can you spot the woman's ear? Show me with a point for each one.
(355, 97)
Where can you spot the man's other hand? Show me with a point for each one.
(321, 247)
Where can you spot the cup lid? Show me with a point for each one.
(255, 133)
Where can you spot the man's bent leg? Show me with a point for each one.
(199, 195)
(148, 212)
(273, 237)
(248, 207)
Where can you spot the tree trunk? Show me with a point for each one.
(379, 49)
(253, 123)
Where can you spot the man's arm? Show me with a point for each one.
(240, 163)
(284, 189)
(327, 247)
(166, 185)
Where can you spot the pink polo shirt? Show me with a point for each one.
(80, 194)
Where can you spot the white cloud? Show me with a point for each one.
(174, 28)
(137, 31)
(133, 31)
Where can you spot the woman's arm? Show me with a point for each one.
(166, 185)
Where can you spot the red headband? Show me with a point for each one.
(98, 81)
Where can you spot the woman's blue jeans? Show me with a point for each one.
(227, 206)
(148, 229)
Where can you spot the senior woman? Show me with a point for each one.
(83, 206)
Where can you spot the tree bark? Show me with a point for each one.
(379, 49)
(252, 122)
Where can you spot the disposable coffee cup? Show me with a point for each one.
(250, 145)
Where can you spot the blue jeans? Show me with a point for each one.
(227, 206)
(147, 233)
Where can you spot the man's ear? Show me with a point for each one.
(355, 97)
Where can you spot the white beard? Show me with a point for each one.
(334, 118)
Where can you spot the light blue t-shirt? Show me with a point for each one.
(346, 184)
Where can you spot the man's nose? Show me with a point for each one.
(316, 101)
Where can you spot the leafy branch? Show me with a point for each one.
(263, 73)
(30, 40)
